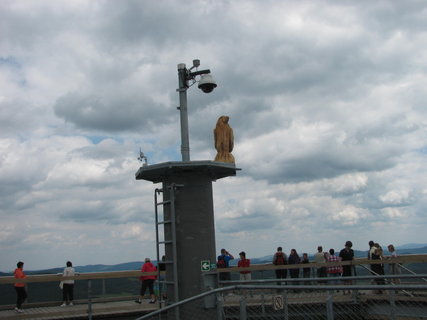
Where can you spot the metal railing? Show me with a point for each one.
(260, 300)
(89, 278)
(215, 295)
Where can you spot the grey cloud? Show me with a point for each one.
(163, 24)
(256, 222)
(325, 160)
(100, 113)
(104, 150)
(16, 117)
(24, 31)
(105, 212)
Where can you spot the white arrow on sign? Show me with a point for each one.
(205, 265)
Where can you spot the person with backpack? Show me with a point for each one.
(220, 264)
(280, 259)
(378, 269)
(223, 262)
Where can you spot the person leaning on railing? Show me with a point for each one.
(393, 267)
(67, 286)
(224, 258)
(147, 281)
(334, 271)
(347, 254)
(244, 263)
(280, 258)
(21, 294)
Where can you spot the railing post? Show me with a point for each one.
(243, 315)
(263, 302)
(355, 296)
(104, 287)
(329, 306)
(220, 306)
(285, 305)
(392, 305)
(89, 299)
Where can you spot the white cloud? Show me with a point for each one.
(392, 213)
(395, 197)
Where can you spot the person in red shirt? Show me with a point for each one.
(21, 294)
(147, 281)
(243, 263)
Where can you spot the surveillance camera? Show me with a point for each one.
(206, 83)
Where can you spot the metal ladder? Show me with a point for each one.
(167, 242)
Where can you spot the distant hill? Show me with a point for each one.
(136, 265)
(421, 249)
(412, 246)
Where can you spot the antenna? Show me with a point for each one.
(142, 157)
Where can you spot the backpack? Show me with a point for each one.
(280, 259)
(221, 263)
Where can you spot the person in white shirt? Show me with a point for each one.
(319, 257)
(393, 267)
(67, 286)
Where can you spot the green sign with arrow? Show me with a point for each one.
(205, 265)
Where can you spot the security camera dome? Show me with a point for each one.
(207, 83)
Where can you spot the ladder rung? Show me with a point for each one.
(164, 222)
(167, 220)
(165, 242)
(163, 202)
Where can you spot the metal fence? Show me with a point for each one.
(306, 299)
(402, 296)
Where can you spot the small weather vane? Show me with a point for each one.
(142, 157)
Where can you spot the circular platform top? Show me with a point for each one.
(157, 172)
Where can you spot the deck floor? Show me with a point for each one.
(80, 311)
(128, 308)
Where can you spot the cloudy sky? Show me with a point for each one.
(327, 100)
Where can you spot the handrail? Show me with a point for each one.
(410, 258)
(79, 276)
(275, 287)
(410, 271)
(413, 258)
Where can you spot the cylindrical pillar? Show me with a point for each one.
(195, 229)
(194, 218)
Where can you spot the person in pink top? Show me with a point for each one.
(147, 281)
(21, 294)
